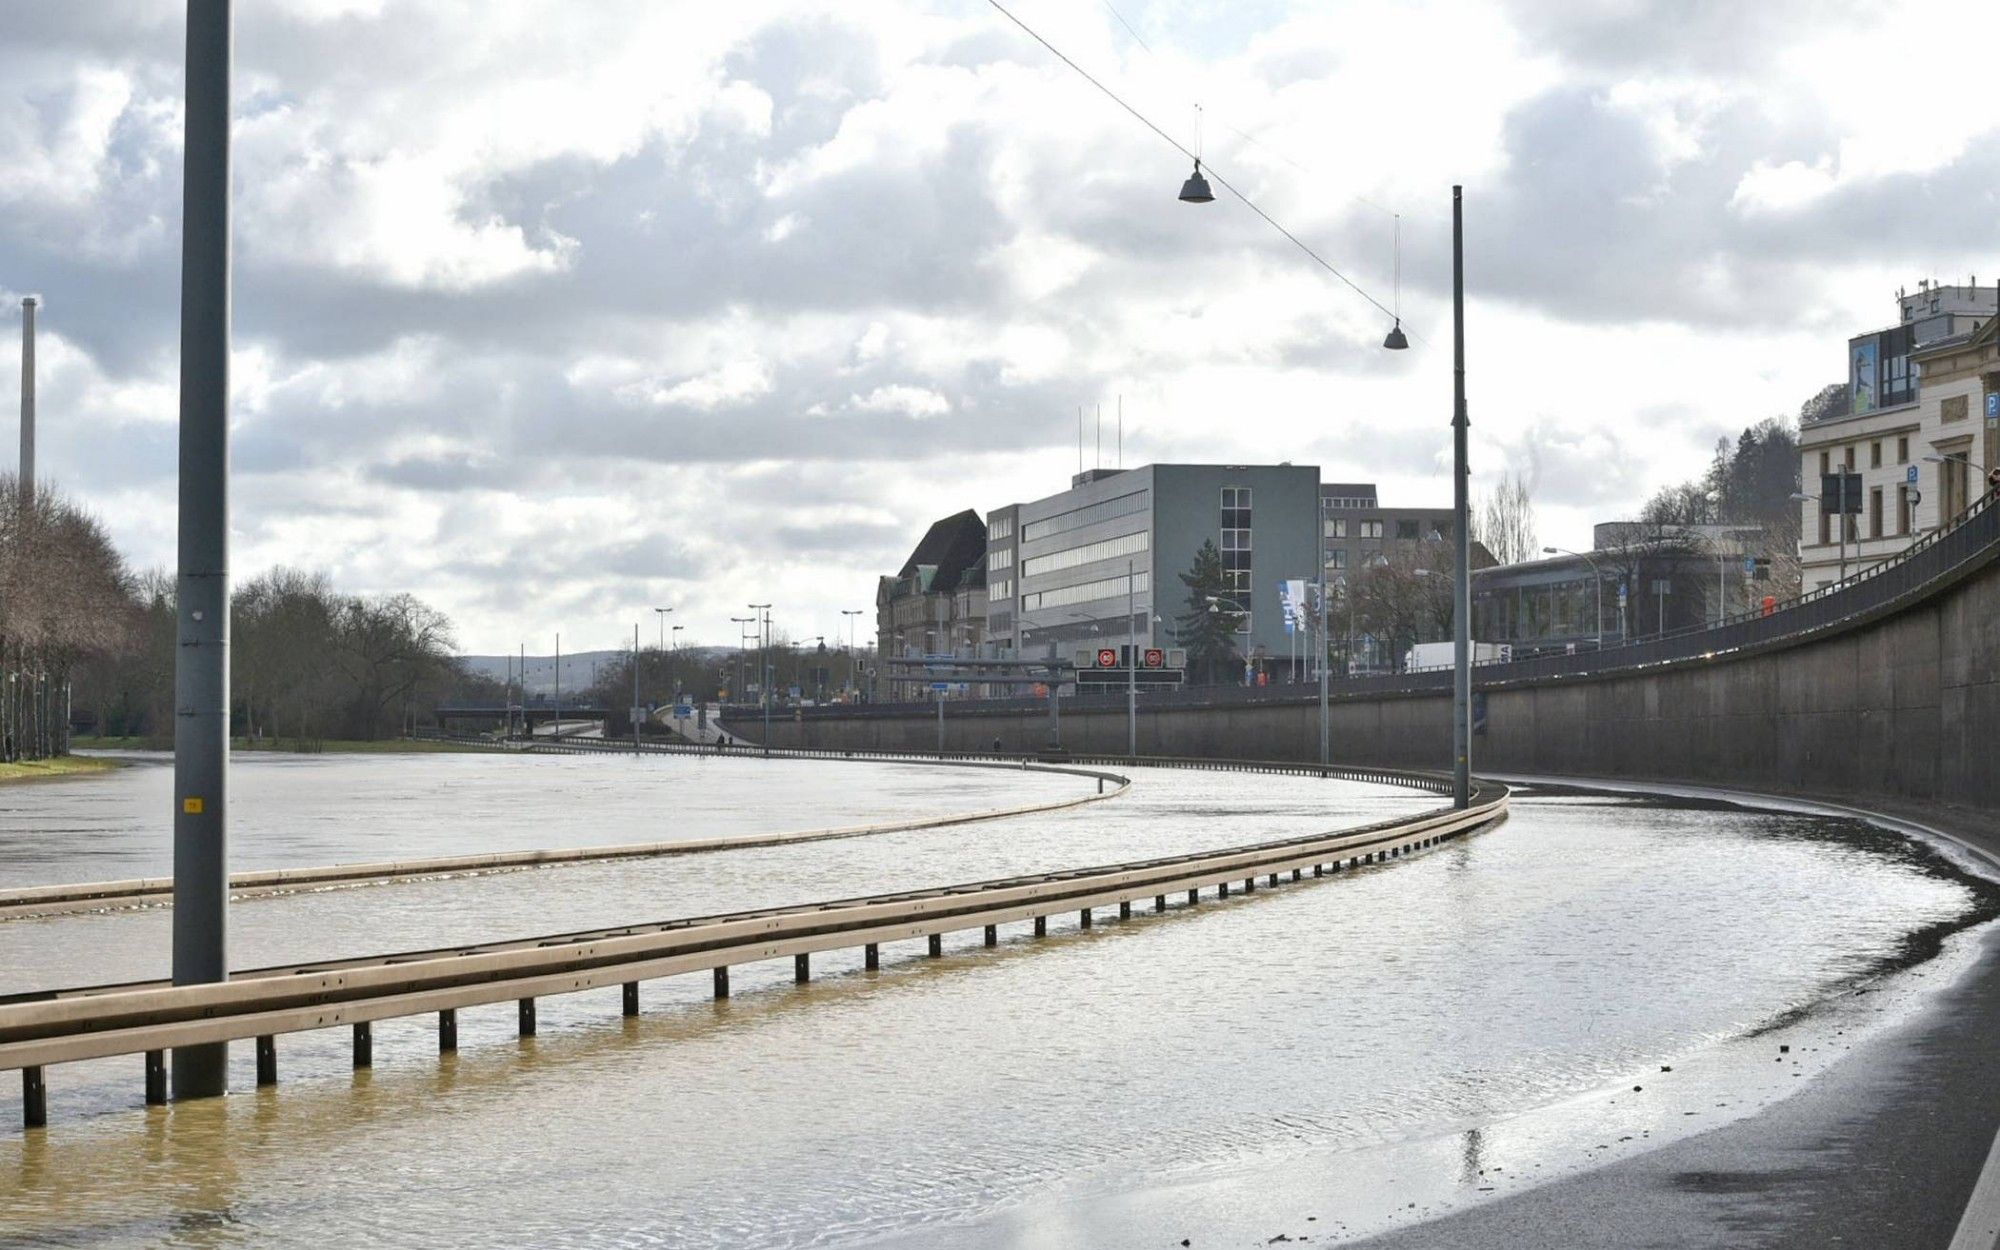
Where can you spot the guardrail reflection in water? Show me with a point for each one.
(92, 1022)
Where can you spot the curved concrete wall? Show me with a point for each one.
(1907, 705)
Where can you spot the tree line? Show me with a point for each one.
(306, 663)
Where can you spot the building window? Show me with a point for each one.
(1371, 529)
(1003, 528)
(1406, 531)
(1108, 588)
(1089, 514)
(1002, 588)
(1123, 545)
(1337, 528)
(1875, 454)
(1904, 510)
(1903, 449)
(1236, 562)
(1875, 512)
(1825, 463)
(1002, 559)
(1849, 453)
(1336, 559)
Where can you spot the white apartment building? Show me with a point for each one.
(1921, 427)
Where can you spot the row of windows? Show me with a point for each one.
(1123, 545)
(1089, 514)
(1235, 496)
(1002, 588)
(1348, 501)
(1236, 540)
(1002, 528)
(1002, 559)
(1874, 455)
(1106, 588)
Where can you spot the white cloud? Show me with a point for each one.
(654, 264)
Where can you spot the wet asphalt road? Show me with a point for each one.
(1882, 1151)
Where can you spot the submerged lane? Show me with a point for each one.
(984, 1098)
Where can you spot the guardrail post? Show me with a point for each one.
(936, 945)
(722, 981)
(1296, 872)
(801, 968)
(1250, 885)
(630, 1004)
(1159, 902)
(1125, 909)
(526, 1017)
(447, 1030)
(1083, 919)
(1222, 889)
(364, 1045)
(34, 1098)
(993, 935)
(1319, 870)
(1041, 926)
(1274, 881)
(1194, 896)
(156, 1078)
(267, 1060)
(871, 957)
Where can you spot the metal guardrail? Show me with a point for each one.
(48, 900)
(1933, 562)
(1433, 783)
(91, 1022)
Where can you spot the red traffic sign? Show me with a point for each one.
(1107, 657)
(1155, 658)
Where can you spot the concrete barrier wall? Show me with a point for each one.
(1908, 706)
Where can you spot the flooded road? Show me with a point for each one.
(1507, 987)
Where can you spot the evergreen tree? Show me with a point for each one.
(1208, 629)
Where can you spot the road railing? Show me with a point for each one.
(49, 900)
(94, 1022)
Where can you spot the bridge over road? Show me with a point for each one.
(1887, 685)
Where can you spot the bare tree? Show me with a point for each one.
(1505, 522)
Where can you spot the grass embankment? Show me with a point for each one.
(61, 766)
(340, 746)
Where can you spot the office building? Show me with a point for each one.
(1099, 564)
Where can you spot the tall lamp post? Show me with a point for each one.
(201, 669)
(674, 645)
(661, 614)
(1596, 573)
(853, 656)
(764, 668)
(1196, 191)
(742, 648)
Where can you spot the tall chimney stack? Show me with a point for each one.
(27, 403)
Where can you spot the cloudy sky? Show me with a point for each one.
(553, 312)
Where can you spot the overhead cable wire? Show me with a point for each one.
(1148, 123)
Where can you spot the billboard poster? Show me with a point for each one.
(1863, 379)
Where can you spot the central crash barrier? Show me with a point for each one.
(93, 1022)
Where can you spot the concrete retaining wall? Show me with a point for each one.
(1908, 705)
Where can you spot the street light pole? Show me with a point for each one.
(764, 667)
(1131, 664)
(635, 686)
(201, 667)
(1461, 683)
(1324, 644)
